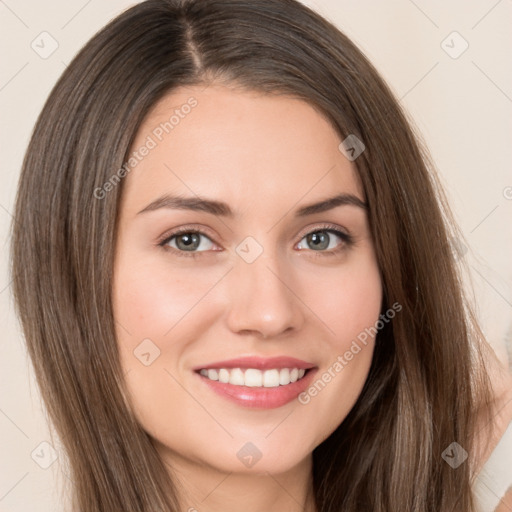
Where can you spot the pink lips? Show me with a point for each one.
(260, 363)
(259, 397)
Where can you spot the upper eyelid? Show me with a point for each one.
(182, 230)
(323, 227)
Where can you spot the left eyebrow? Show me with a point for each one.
(330, 203)
(219, 208)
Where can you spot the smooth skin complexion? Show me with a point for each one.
(200, 302)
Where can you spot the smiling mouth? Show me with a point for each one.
(253, 377)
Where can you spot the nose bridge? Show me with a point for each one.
(261, 292)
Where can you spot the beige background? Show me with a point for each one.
(462, 106)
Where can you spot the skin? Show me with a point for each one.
(506, 502)
(265, 157)
(488, 438)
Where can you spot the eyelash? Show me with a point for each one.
(347, 240)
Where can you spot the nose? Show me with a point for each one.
(264, 298)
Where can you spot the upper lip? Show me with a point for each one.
(260, 363)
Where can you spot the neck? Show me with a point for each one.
(203, 488)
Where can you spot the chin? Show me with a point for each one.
(245, 457)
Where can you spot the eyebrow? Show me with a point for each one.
(220, 208)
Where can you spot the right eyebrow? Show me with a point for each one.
(189, 203)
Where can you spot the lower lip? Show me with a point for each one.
(260, 398)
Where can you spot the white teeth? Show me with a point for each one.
(284, 377)
(271, 378)
(236, 377)
(253, 377)
(223, 375)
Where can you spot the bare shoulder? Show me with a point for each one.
(501, 380)
(505, 502)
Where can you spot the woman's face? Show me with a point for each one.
(241, 336)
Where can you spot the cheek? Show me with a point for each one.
(347, 300)
(151, 299)
(349, 305)
(156, 310)
(358, 306)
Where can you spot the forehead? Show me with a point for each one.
(242, 147)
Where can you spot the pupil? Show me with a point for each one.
(188, 240)
(320, 237)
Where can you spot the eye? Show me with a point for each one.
(189, 241)
(325, 240)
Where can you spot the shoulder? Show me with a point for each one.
(506, 502)
(489, 434)
(493, 484)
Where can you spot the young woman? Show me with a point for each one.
(231, 261)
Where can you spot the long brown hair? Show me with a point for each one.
(426, 383)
